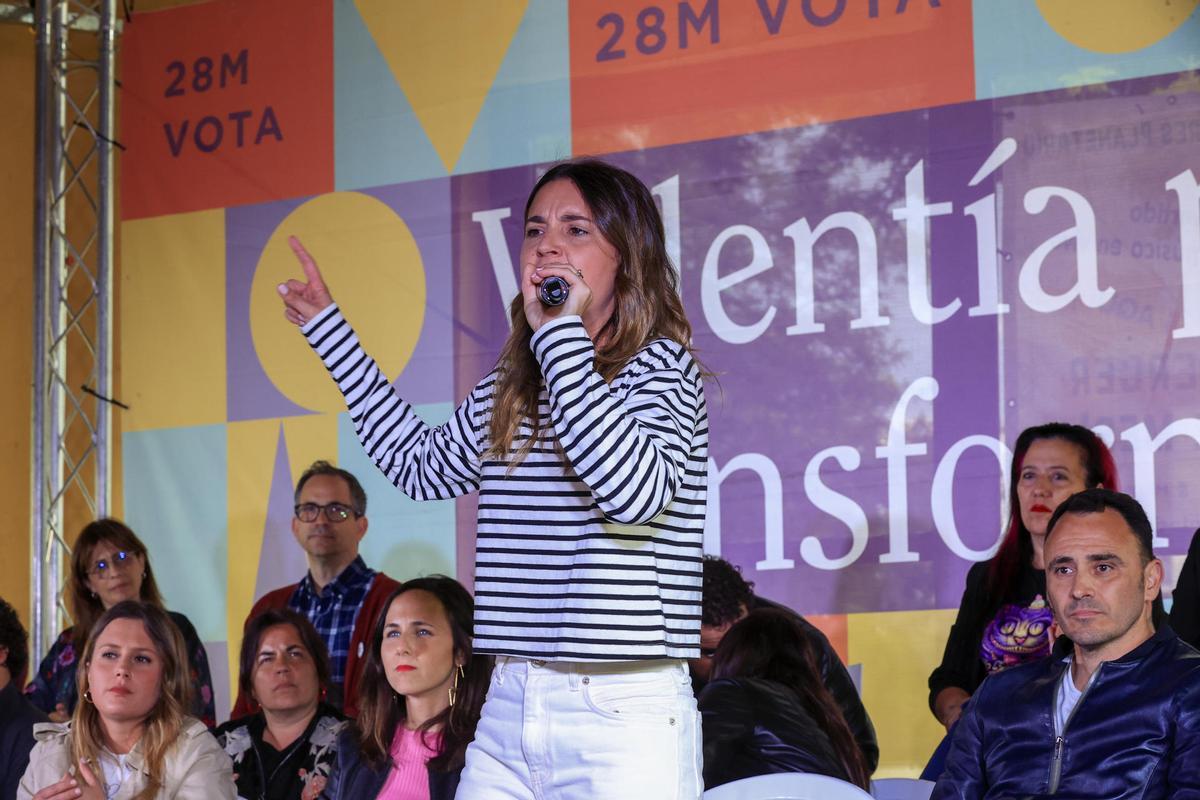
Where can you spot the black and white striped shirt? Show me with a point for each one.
(595, 557)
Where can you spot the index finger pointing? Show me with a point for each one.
(306, 261)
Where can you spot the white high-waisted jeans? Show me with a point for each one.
(586, 731)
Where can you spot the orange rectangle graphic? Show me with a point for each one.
(645, 74)
(239, 110)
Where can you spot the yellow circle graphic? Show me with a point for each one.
(373, 269)
(1115, 26)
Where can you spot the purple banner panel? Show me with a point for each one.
(1111, 172)
(886, 302)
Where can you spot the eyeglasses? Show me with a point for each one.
(334, 512)
(109, 566)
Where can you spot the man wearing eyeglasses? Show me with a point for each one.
(341, 595)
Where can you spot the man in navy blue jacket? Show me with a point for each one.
(17, 715)
(1115, 716)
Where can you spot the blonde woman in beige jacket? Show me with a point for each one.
(128, 738)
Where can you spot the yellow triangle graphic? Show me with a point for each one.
(445, 55)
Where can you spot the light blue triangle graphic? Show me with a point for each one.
(378, 139)
(405, 538)
(526, 118)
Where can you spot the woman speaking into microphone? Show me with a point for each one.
(588, 446)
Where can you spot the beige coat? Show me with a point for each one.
(196, 767)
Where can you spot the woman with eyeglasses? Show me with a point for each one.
(109, 564)
(131, 737)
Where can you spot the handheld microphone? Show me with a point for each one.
(553, 291)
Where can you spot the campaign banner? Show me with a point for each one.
(886, 303)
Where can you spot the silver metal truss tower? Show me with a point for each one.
(73, 259)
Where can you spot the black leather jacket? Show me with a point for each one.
(353, 779)
(757, 727)
(17, 718)
(1135, 733)
(837, 680)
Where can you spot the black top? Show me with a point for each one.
(1185, 610)
(963, 659)
(298, 772)
(839, 683)
(754, 727)
(17, 718)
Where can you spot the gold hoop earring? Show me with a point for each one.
(454, 686)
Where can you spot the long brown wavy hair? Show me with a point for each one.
(381, 711)
(771, 644)
(165, 720)
(85, 606)
(647, 304)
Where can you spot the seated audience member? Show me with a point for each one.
(340, 595)
(1119, 715)
(130, 738)
(110, 564)
(286, 750)
(17, 715)
(1185, 608)
(766, 709)
(728, 597)
(1003, 618)
(422, 691)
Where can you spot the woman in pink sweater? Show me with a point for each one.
(419, 701)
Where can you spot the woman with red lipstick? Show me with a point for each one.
(1004, 618)
(109, 563)
(130, 737)
(286, 749)
(422, 692)
(588, 445)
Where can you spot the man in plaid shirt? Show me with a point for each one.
(341, 595)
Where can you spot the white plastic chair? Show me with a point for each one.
(787, 786)
(901, 789)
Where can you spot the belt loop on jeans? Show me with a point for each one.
(498, 669)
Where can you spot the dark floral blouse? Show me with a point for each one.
(300, 772)
(55, 679)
